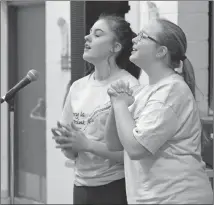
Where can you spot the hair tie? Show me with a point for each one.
(183, 58)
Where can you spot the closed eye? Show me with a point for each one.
(97, 35)
(97, 32)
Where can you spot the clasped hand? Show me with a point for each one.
(121, 92)
(70, 137)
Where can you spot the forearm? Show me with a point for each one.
(125, 125)
(111, 135)
(101, 150)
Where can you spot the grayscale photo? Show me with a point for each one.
(107, 102)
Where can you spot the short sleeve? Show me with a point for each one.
(67, 112)
(157, 124)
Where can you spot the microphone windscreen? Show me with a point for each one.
(32, 75)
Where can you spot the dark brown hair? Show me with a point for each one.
(173, 37)
(124, 36)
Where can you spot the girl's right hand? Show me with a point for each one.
(68, 152)
(56, 133)
(59, 131)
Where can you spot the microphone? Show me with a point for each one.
(31, 76)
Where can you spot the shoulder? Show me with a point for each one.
(171, 89)
(175, 94)
(82, 82)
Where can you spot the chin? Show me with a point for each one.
(134, 59)
(87, 57)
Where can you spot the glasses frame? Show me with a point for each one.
(143, 35)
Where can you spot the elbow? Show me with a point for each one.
(137, 151)
(134, 156)
(137, 155)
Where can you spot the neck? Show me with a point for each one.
(157, 72)
(103, 70)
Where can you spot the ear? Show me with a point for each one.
(116, 47)
(161, 51)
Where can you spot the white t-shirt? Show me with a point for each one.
(168, 125)
(88, 106)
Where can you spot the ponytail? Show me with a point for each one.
(189, 75)
(174, 38)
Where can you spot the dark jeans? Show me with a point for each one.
(112, 193)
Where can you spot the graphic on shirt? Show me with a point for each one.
(80, 118)
(98, 118)
(97, 112)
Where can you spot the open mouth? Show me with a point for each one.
(87, 47)
(134, 49)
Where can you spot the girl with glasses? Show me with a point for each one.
(158, 126)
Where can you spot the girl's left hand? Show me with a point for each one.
(74, 139)
(121, 91)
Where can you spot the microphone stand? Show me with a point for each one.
(11, 104)
(9, 98)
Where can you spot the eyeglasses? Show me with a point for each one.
(143, 35)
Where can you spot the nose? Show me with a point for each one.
(87, 37)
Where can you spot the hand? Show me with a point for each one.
(75, 139)
(120, 91)
(69, 153)
(60, 132)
